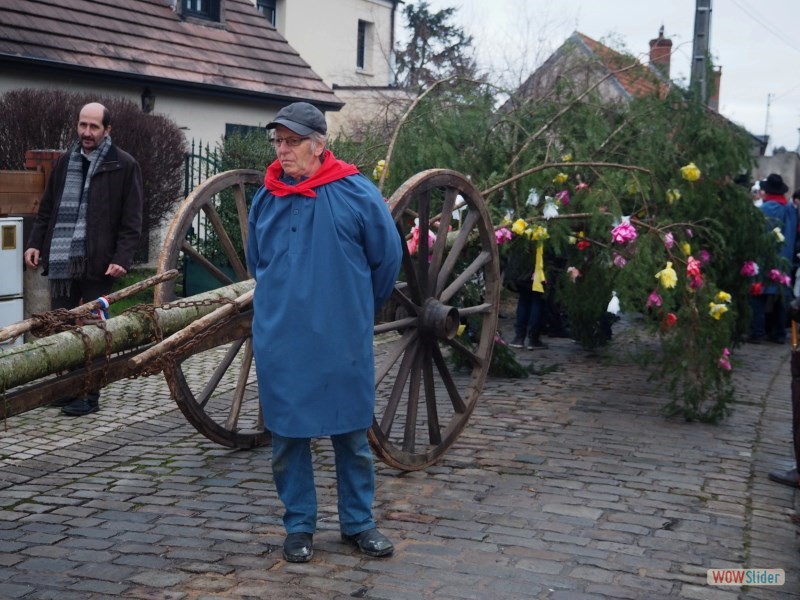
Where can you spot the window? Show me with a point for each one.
(267, 8)
(202, 9)
(243, 130)
(364, 44)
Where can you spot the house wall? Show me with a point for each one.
(785, 164)
(202, 117)
(326, 36)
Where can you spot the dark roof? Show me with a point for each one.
(147, 42)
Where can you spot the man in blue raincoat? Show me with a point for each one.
(325, 254)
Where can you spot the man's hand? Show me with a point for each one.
(32, 258)
(115, 270)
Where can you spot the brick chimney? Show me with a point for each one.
(713, 97)
(660, 53)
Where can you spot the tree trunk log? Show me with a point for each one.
(67, 350)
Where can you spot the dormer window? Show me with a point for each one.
(268, 8)
(208, 10)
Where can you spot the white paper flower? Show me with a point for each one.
(613, 305)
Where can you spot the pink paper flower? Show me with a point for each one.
(693, 273)
(623, 233)
(653, 300)
(502, 236)
(573, 273)
(723, 362)
(581, 186)
(620, 261)
(669, 240)
(705, 256)
(563, 197)
(749, 269)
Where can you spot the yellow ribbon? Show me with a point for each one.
(538, 268)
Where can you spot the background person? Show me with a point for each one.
(769, 308)
(325, 254)
(88, 224)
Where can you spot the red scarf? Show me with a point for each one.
(779, 198)
(332, 169)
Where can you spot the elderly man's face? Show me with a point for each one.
(301, 160)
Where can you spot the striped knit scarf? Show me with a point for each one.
(67, 259)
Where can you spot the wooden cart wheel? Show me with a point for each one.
(429, 370)
(208, 233)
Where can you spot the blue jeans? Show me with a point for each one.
(355, 482)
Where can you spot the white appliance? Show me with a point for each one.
(11, 265)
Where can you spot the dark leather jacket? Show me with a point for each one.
(113, 218)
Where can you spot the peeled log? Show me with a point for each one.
(66, 350)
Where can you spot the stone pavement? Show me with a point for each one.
(567, 485)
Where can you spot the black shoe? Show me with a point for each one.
(785, 477)
(81, 406)
(63, 401)
(298, 548)
(370, 542)
(518, 341)
(536, 343)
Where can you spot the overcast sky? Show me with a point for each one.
(754, 41)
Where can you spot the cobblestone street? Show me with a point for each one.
(567, 485)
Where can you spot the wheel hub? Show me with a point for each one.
(438, 320)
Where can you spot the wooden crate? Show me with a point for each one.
(20, 192)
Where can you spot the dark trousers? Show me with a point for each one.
(530, 309)
(768, 317)
(80, 292)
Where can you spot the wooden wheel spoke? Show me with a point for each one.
(396, 351)
(476, 360)
(478, 309)
(459, 406)
(396, 325)
(434, 434)
(240, 197)
(481, 261)
(397, 389)
(210, 267)
(423, 249)
(241, 384)
(204, 396)
(410, 429)
(412, 281)
(225, 241)
(455, 252)
(440, 245)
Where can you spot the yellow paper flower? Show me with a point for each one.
(461, 329)
(723, 296)
(778, 234)
(519, 226)
(540, 233)
(673, 195)
(633, 188)
(581, 234)
(716, 310)
(667, 276)
(572, 239)
(560, 178)
(378, 170)
(566, 157)
(686, 247)
(690, 172)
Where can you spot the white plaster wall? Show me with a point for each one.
(325, 33)
(201, 118)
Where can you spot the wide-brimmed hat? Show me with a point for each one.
(773, 184)
(301, 117)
